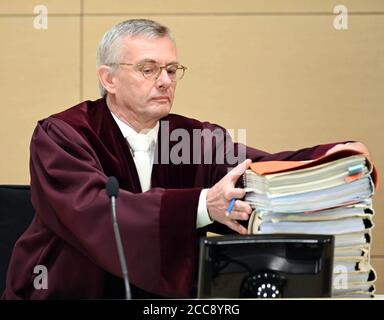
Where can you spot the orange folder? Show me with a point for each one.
(269, 167)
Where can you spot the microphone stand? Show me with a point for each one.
(120, 249)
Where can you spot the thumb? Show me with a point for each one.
(236, 172)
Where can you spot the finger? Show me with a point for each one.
(238, 206)
(243, 206)
(359, 147)
(238, 215)
(234, 225)
(355, 146)
(236, 172)
(236, 193)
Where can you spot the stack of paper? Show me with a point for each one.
(329, 195)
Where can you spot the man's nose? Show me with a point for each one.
(163, 79)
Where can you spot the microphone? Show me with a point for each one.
(112, 187)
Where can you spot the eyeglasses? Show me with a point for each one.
(152, 70)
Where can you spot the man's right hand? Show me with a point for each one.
(220, 195)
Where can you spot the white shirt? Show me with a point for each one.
(134, 138)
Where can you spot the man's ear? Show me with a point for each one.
(105, 75)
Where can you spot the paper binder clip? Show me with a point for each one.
(355, 169)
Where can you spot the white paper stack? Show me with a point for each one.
(330, 196)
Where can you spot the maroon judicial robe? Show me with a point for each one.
(72, 155)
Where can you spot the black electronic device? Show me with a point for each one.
(266, 266)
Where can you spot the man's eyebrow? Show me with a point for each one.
(148, 60)
(154, 61)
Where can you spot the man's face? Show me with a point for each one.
(147, 100)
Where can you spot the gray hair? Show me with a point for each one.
(109, 47)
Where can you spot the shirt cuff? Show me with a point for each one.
(203, 218)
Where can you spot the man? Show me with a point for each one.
(163, 206)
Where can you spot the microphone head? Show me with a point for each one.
(112, 187)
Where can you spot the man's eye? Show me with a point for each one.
(172, 70)
(148, 70)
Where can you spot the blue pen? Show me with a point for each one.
(232, 203)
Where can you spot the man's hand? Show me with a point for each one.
(357, 146)
(220, 195)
